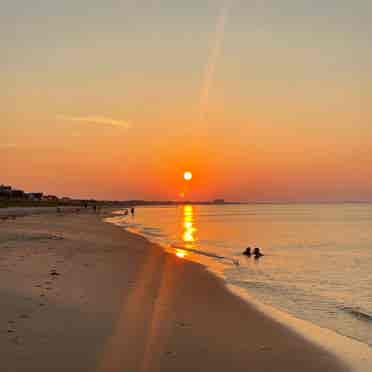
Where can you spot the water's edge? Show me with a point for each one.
(355, 354)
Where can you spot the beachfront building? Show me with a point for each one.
(5, 191)
(4, 188)
(17, 194)
(50, 198)
(35, 195)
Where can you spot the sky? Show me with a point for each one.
(261, 100)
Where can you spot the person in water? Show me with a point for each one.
(257, 253)
(247, 252)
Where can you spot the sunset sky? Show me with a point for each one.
(260, 100)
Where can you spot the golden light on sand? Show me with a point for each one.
(187, 176)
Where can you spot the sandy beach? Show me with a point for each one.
(79, 294)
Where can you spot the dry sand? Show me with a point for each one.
(78, 294)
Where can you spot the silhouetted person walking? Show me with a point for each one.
(132, 211)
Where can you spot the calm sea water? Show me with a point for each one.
(318, 257)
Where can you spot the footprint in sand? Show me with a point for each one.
(265, 348)
(24, 316)
(16, 340)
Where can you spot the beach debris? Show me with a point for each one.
(265, 348)
(55, 237)
(54, 273)
(184, 324)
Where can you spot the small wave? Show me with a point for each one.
(151, 229)
(208, 254)
(358, 313)
(151, 232)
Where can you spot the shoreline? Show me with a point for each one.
(356, 354)
(353, 353)
(147, 311)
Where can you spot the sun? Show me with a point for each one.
(187, 176)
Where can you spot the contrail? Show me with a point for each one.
(213, 56)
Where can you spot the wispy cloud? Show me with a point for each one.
(98, 120)
(214, 55)
(7, 145)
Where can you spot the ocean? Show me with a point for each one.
(317, 263)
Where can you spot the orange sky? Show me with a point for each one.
(261, 103)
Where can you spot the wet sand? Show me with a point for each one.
(78, 294)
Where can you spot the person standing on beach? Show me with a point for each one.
(132, 211)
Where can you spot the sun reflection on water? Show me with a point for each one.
(181, 253)
(189, 229)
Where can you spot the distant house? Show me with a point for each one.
(5, 191)
(18, 194)
(35, 195)
(4, 188)
(50, 198)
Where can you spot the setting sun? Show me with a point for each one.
(187, 176)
